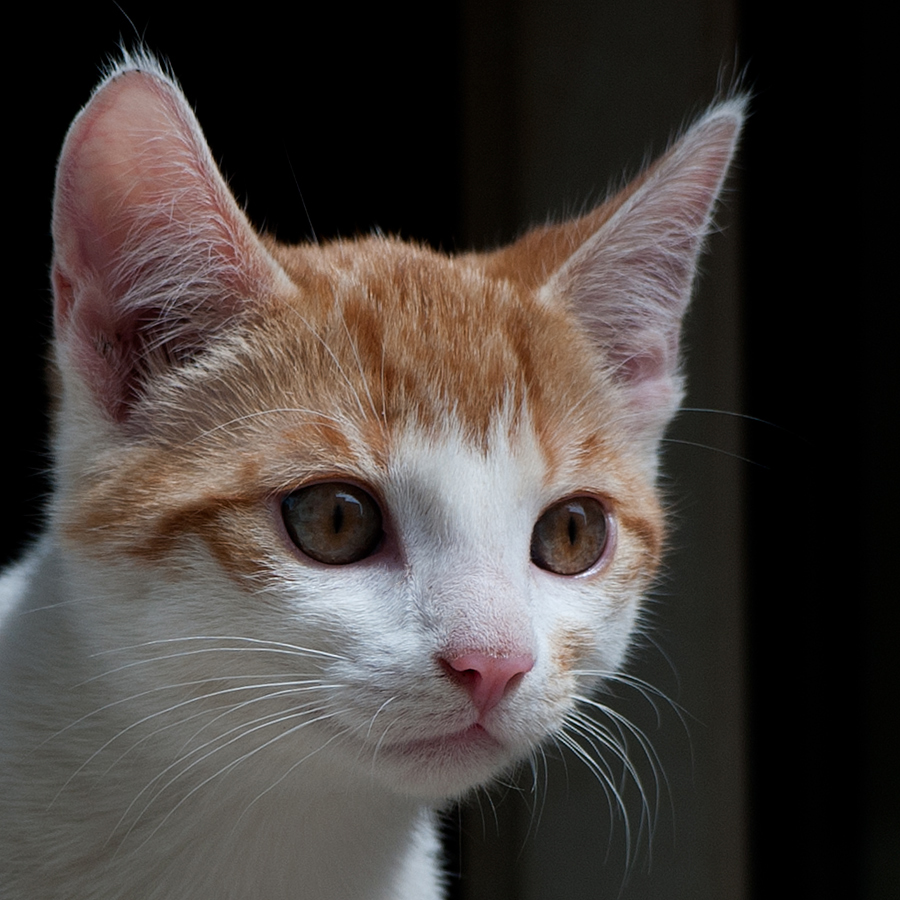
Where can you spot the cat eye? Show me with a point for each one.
(570, 536)
(333, 522)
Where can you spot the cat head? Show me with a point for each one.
(434, 474)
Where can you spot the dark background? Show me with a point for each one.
(340, 118)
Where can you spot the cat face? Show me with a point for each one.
(361, 506)
(322, 398)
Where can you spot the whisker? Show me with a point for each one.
(294, 766)
(593, 731)
(539, 789)
(649, 692)
(375, 716)
(258, 724)
(730, 454)
(614, 798)
(359, 365)
(598, 743)
(334, 359)
(745, 417)
(149, 717)
(377, 748)
(315, 238)
(314, 414)
(253, 642)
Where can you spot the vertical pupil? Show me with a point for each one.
(570, 536)
(332, 522)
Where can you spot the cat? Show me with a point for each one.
(339, 532)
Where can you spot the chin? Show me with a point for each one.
(444, 767)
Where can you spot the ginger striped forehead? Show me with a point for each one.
(395, 336)
(376, 346)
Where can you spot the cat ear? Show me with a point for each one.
(630, 281)
(626, 269)
(152, 255)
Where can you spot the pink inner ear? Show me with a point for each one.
(118, 163)
(152, 255)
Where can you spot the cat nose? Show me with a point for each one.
(487, 678)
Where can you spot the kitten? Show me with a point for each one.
(339, 532)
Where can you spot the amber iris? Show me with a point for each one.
(570, 536)
(333, 522)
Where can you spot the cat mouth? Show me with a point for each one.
(474, 740)
(444, 765)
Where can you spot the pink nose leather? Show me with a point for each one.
(487, 678)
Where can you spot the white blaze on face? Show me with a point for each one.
(464, 516)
